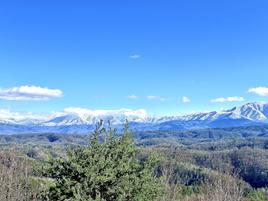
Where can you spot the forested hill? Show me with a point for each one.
(148, 138)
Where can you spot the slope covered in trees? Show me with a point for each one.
(109, 166)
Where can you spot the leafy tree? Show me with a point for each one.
(259, 195)
(106, 170)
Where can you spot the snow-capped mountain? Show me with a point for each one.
(252, 111)
(78, 120)
(249, 111)
(79, 116)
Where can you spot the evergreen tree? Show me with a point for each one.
(106, 170)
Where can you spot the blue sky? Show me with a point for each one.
(133, 54)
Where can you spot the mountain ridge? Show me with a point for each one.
(72, 121)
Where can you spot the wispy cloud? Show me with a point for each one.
(132, 96)
(228, 99)
(151, 97)
(185, 99)
(261, 91)
(26, 93)
(162, 99)
(135, 56)
(11, 116)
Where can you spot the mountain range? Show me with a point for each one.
(82, 121)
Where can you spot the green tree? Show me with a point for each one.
(106, 170)
(259, 195)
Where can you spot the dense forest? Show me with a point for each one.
(202, 165)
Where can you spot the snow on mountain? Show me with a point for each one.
(66, 119)
(252, 111)
(79, 116)
(75, 120)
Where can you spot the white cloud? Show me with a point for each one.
(119, 112)
(222, 109)
(11, 116)
(135, 56)
(162, 99)
(261, 91)
(185, 99)
(24, 93)
(228, 99)
(151, 97)
(132, 96)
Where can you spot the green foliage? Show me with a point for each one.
(259, 195)
(189, 190)
(106, 170)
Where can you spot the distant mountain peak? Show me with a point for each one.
(76, 120)
(253, 111)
